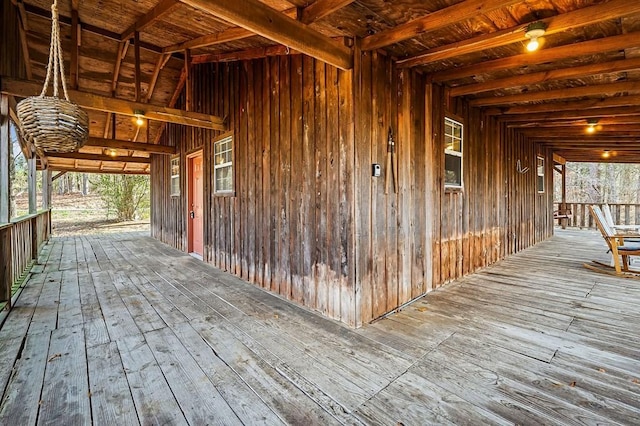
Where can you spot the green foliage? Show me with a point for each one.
(126, 195)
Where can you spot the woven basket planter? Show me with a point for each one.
(53, 124)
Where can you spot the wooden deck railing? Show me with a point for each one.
(20, 243)
(623, 214)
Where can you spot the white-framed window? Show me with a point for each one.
(175, 177)
(223, 166)
(540, 174)
(452, 153)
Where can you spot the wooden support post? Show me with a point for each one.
(563, 205)
(5, 140)
(136, 50)
(46, 189)
(31, 183)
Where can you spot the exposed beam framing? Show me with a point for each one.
(433, 21)
(75, 49)
(559, 53)
(100, 169)
(259, 52)
(549, 107)
(162, 8)
(58, 175)
(95, 102)
(65, 20)
(138, 73)
(99, 157)
(225, 36)
(572, 114)
(542, 77)
(631, 119)
(267, 22)
(131, 146)
(154, 78)
(565, 22)
(573, 92)
(321, 8)
(24, 28)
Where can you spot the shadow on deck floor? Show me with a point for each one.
(123, 330)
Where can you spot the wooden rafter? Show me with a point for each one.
(65, 20)
(573, 92)
(99, 169)
(564, 22)
(321, 8)
(130, 146)
(433, 21)
(612, 102)
(258, 52)
(99, 157)
(267, 22)
(545, 76)
(76, 28)
(572, 114)
(162, 8)
(602, 121)
(24, 28)
(95, 102)
(156, 73)
(559, 53)
(225, 36)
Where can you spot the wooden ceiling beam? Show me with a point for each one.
(602, 121)
(550, 107)
(58, 168)
(225, 36)
(259, 52)
(439, 19)
(269, 23)
(564, 22)
(545, 76)
(321, 8)
(23, 88)
(98, 157)
(162, 8)
(573, 92)
(572, 114)
(591, 47)
(65, 20)
(130, 146)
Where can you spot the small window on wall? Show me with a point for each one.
(175, 177)
(223, 166)
(452, 153)
(540, 172)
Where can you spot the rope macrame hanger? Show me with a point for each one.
(56, 61)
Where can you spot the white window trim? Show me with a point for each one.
(174, 194)
(456, 153)
(538, 157)
(216, 167)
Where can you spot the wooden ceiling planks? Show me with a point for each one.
(478, 51)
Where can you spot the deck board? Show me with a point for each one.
(148, 335)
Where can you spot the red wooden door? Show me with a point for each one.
(196, 231)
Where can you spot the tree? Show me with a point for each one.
(124, 194)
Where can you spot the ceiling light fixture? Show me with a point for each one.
(534, 31)
(606, 153)
(139, 114)
(591, 126)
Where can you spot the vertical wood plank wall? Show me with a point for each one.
(11, 57)
(309, 221)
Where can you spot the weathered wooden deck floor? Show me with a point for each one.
(123, 330)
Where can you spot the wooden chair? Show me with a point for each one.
(618, 246)
(618, 228)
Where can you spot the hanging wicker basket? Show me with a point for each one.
(51, 123)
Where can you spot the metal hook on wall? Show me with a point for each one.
(519, 168)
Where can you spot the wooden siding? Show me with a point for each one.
(289, 228)
(11, 54)
(309, 222)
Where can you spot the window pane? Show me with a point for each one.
(452, 170)
(223, 165)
